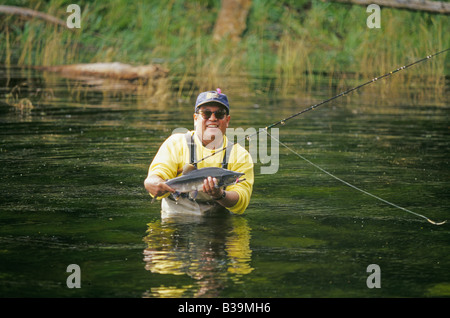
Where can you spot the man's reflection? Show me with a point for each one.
(210, 250)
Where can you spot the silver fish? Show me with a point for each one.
(192, 182)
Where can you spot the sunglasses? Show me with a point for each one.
(219, 114)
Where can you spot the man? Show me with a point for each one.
(211, 119)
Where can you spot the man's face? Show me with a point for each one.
(212, 128)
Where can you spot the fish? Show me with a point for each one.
(192, 181)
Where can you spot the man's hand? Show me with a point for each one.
(209, 187)
(156, 186)
(231, 198)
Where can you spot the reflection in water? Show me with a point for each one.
(211, 250)
(318, 244)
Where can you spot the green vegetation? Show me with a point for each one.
(286, 42)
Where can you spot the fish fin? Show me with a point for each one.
(176, 195)
(188, 168)
(193, 194)
(240, 180)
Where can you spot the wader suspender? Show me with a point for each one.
(191, 146)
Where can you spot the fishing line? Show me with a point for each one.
(353, 186)
(283, 121)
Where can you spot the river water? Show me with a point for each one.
(73, 159)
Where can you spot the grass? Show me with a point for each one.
(285, 43)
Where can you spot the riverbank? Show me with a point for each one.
(287, 43)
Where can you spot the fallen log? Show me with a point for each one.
(113, 70)
(419, 5)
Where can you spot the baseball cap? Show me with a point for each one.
(212, 97)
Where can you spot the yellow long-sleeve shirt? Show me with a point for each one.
(174, 154)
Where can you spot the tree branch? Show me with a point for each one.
(420, 5)
(31, 13)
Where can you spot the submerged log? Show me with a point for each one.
(420, 5)
(113, 70)
(117, 78)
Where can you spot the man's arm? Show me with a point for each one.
(156, 186)
(164, 166)
(231, 197)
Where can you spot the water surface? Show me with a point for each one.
(73, 160)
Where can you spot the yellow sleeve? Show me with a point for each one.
(241, 161)
(169, 158)
(174, 152)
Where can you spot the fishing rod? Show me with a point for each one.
(283, 121)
